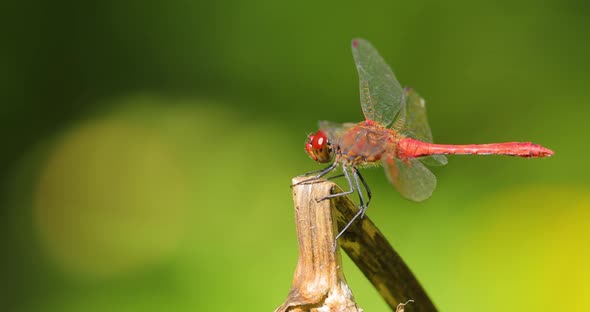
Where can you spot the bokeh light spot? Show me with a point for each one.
(110, 199)
(531, 252)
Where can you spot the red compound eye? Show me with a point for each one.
(310, 152)
(318, 141)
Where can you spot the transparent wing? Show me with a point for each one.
(410, 178)
(333, 130)
(413, 122)
(434, 160)
(381, 94)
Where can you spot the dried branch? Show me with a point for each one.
(318, 282)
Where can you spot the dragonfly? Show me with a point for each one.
(395, 134)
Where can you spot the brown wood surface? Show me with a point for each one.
(318, 281)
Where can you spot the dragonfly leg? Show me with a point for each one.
(347, 176)
(362, 207)
(319, 174)
(335, 177)
(369, 194)
(358, 214)
(318, 171)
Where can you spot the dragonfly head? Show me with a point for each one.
(318, 147)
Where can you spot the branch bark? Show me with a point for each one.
(318, 281)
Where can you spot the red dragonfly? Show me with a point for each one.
(403, 148)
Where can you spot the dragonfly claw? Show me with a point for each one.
(363, 210)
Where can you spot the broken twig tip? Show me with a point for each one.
(402, 306)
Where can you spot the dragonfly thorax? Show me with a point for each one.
(319, 147)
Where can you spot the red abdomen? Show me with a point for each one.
(413, 148)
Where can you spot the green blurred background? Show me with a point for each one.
(147, 150)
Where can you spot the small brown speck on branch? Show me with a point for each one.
(318, 282)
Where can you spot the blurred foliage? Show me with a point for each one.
(148, 149)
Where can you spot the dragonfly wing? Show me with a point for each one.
(434, 160)
(413, 122)
(333, 130)
(410, 178)
(381, 94)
